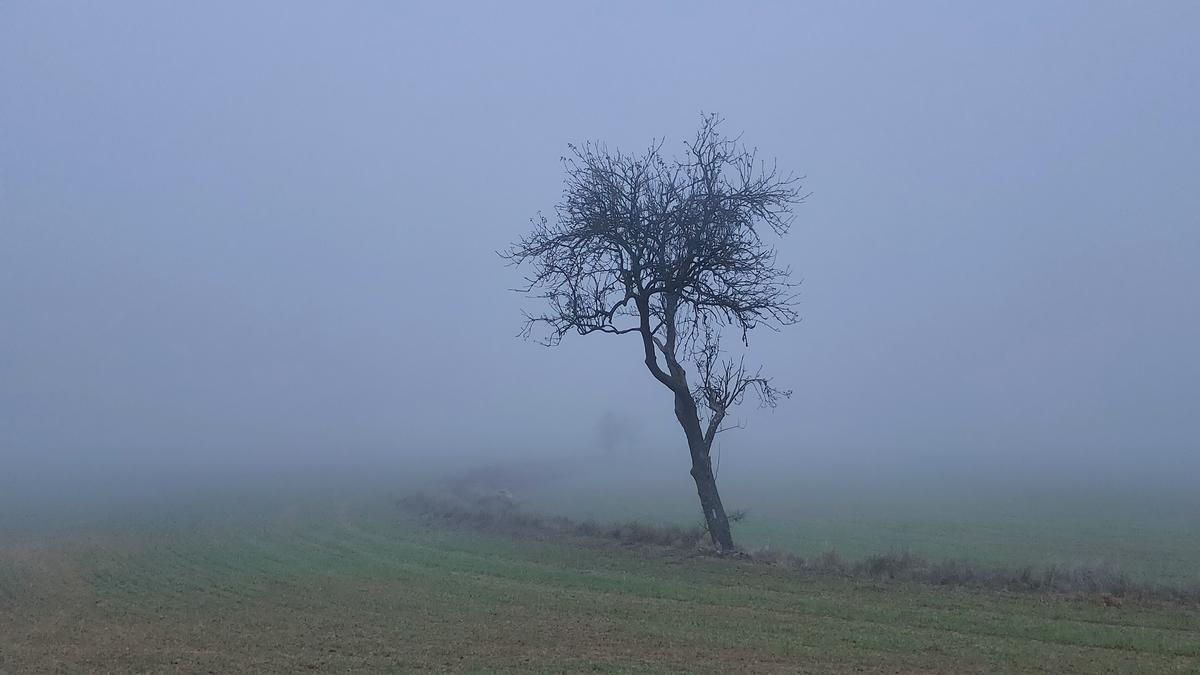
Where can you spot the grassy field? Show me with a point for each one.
(1153, 536)
(339, 587)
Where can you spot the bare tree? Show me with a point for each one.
(671, 250)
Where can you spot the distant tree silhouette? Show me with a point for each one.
(671, 250)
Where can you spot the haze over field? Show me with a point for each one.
(256, 242)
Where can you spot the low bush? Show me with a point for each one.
(490, 511)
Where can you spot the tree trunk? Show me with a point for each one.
(710, 502)
(706, 483)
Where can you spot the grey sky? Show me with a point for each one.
(234, 233)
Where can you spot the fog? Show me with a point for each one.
(258, 240)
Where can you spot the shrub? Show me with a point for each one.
(829, 561)
(893, 564)
(499, 511)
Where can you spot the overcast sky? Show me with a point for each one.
(251, 233)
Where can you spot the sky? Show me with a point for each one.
(241, 237)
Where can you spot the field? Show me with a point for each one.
(1151, 532)
(354, 585)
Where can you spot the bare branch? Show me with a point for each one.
(645, 227)
(673, 249)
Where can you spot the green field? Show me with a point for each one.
(334, 585)
(1152, 536)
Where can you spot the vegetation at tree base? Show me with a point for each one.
(491, 512)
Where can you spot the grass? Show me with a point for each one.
(491, 511)
(365, 589)
(1155, 538)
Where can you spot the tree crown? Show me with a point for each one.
(671, 248)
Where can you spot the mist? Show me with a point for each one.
(253, 244)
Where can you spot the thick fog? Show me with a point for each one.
(260, 238)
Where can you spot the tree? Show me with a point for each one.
(671, 250)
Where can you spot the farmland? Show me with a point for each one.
(341, 584)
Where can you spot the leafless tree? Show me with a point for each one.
(671, 250)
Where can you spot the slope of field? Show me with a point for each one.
(368, 590)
